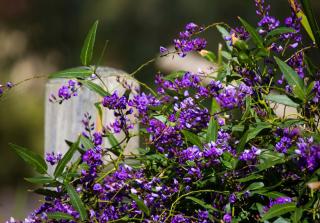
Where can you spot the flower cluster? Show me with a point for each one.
(186, 43)
(213, 148)
(66, 91)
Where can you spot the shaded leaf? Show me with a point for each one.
(292, 77)
(65, 159)
(212, 131)
(95, 88)
(191, 137)
(280, 31)
(249, 178)
(251, 133)
(59, 216)
(256, 38)
(35, 160)
(203, 204)
(40, 180)
(87, 49)
(278, 210)
(86, 143)
(255, 186)
(76, 202)
(72, 73)
(140, 204)
(281, 99)
(116, 148)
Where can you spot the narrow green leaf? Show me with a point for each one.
(249, 178)
(174, 75)
(212, 131)
(256, 38)
(65, 159)
(203, 204)
(281, 99)
(76, 202)
(40, 180)
(278, 210)
(292, 77)
(116, 148)
(280, 31)
(269, 159)
(95, 88)
(208, 55)
(72, 73)
(305, 24)
(59, 216)
(296, 216)
(191, 137)
(140, 204)
(307, 8)
(87, 49)
(251, 133)
(47, 192)
(255, 186)
(35, 160)
(86, 143)
(224, 34)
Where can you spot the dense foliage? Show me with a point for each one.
(214, 148)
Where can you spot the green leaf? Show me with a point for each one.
(87, 49)
(296, 216)
(47, 192)
(224, 34)
(307, 8)
(212, 131)
(256, 38)
(76, 202)
(116, 148)
(203, 204)
(72, 73)
(280, 31)
(140, 204)
(35, 160)
(65, 159)
(59, 216)
(174, 75)
(305, 24)
(251, 133)
(191, 137)
(249, 178)
(278, 210)
(40, 180)
(255, 186)
(281, 99)
(86, 143)
(269, 159)
(95, 88)
(208, 55)
(292, 77)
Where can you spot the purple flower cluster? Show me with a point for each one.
(232, 97)
(250, 154)
(186, 43)
(276, 201)
(316, 90)
(8, 85)
(66, 91)
(119, 105)
(309, 154)
(52, 158)
(287, 138)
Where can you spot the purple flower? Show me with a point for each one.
(227, 218)
(97, 138)
(52, 158)
(185, 43)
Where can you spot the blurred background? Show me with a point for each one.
(38, 37)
